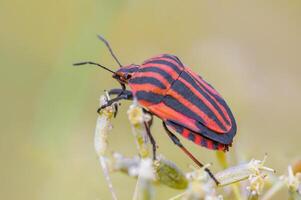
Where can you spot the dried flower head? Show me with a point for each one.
(292, 181)
(242, 172)
(200, 185)
(169, 174)
(137, 119)
(103, 126)
(256, 184)
(197, 183)
(136, 114)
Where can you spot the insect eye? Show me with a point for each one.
(127, 76)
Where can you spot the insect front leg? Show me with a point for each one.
(118, 91)
(177, 142)
(125, 95)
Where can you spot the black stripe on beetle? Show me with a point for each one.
(166, 63)
(158, 71)
(148, 80)
(201, 91)
(149, 97)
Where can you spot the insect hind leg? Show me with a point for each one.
(148, 131)
(152, 140)
(177, 142)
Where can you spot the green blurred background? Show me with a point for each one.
(249, 51)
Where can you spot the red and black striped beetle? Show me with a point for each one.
(184, 101)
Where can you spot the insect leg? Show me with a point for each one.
(150, 122)
(177, 142)
(118, 91)
(151, 138)
(110, 102)
(123, 87)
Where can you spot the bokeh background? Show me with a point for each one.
(249, 50)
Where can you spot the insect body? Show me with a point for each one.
(182, 99)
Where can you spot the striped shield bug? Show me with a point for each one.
(182, 99)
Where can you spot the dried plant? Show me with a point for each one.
(196, 183)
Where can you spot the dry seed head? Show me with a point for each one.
(109, 110)
(146, 176)
(242, 172)
(258, 165)
(200, 185)
(198, 174)
(257, 182)
(103, 126)
(201, 190)
(146, 169)
(137, 119)
(124, 164)
(136, 114)
(169, 174)
(292, 181)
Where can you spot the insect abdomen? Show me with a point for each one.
(180, 97)
(197, 138)
(203, 112)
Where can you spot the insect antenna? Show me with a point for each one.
(110, 49)
(93, 63)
